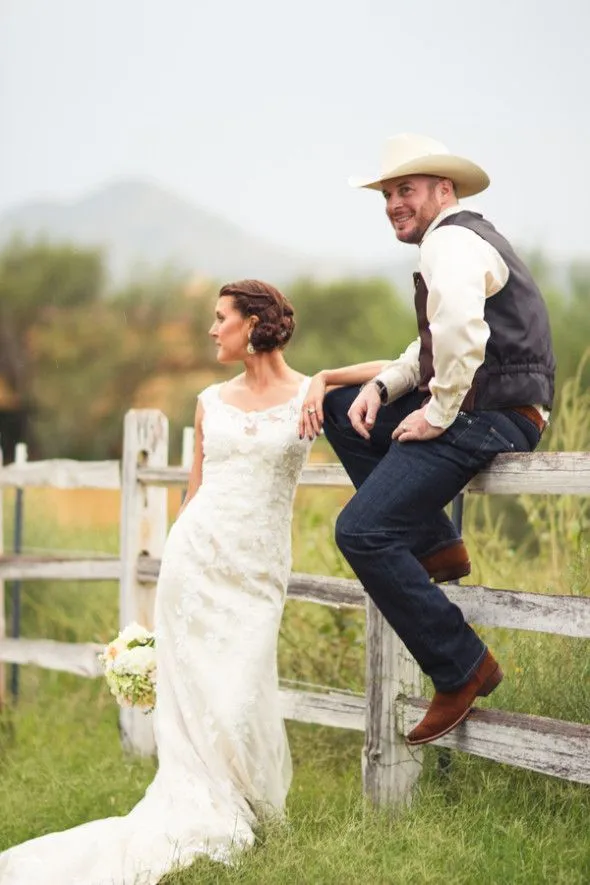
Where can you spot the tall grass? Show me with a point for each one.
(484, 823)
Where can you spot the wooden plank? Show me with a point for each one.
(60, 568)
(390, 768)
(335, 592)
(163, 476)
(62, 474)
(334, 709)
(79, 658)
(143, 529)
(548, 746)
(148, 569)
(539, 612)
(315, 474)
(537, 473)
(552, 473)
(548, 473)
(560, 749)
(324, 475)
(514, 609)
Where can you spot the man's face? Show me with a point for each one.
(412, 202)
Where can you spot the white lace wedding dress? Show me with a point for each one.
(223, 757)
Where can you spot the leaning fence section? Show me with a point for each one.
(391, 704)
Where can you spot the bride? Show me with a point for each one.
(223, 757)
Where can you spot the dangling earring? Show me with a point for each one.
(250, 347)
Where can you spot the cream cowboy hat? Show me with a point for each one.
(409, 154)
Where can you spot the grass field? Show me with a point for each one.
(481, 823)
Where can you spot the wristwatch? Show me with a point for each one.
(382, 389)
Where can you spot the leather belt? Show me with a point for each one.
(532, 414)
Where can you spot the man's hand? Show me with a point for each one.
(415, 428)
(363, 411)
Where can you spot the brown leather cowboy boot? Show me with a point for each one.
(448, 708)
(449, 563)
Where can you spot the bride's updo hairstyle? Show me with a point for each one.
(275, 314)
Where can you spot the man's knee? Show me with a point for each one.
(344, 530)
(363, 529)
(352, 532)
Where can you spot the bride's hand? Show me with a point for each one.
(312, 412)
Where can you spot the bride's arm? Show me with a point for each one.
(359, 373)
(310, 423)
(196, 474)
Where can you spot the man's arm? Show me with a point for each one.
(461, 270)
(402, 374)
(399, 377)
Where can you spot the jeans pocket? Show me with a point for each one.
(490, 443)
(500, 440)
(460, 426)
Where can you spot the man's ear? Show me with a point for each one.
(447, 188)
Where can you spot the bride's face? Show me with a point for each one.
(229, 331)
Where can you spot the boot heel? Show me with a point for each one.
(492, 682)
(451, 574)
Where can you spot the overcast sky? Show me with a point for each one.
(260, 109)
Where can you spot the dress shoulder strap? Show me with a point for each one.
(209, 395)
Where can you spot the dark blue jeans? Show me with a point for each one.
(397, 515)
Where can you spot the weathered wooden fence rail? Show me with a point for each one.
(392, 703)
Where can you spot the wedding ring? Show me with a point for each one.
(310, 410)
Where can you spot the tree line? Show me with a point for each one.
(76, 353)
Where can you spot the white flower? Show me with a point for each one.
(129, 663)
(137, 660)
(134, 631)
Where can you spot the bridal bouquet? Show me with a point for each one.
(129, 664)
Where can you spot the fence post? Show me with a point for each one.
(188, 447)
(390, 768)
(144, 522)
(21, 456)
(2, 598)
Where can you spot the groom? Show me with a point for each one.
(477, 381)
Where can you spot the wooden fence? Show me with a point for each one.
(392, 703)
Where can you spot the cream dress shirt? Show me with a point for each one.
(460, 270)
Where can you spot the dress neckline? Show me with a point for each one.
(282, 405)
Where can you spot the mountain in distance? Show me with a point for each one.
(143, 227)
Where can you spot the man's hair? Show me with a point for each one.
(434, 180)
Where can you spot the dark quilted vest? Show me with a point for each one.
(519, 365)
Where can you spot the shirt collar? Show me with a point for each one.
(450, 210)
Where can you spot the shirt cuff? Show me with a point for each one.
(438, 416)
(396, 382)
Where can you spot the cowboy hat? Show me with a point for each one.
(409, 154)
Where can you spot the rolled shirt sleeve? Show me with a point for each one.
(402, 374)
(460, 270)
